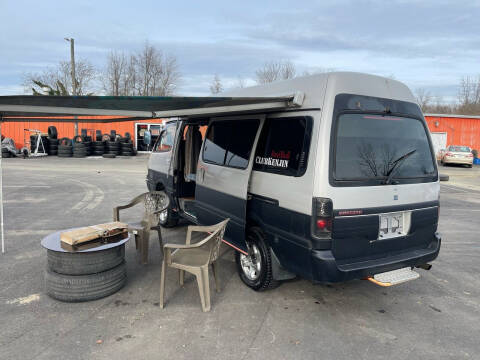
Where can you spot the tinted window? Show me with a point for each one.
(367, 146)
(230, 143)
(283, 146)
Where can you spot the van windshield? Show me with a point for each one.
(368, 146)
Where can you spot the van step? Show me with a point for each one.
(394, 277)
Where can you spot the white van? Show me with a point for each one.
(343, 187)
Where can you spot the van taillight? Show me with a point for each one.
(322, 217)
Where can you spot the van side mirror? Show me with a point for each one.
(443, 177)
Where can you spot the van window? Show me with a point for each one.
(368, 146)
(283, 146)
(165, 142)
(229, 143)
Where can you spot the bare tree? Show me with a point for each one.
(240, 83)
(156, 74)
(469, 96)
(84, 74)
(216, 85)
(114, 76)
(424, 98)
(274, 71)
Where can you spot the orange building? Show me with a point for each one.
(445, 129)
(454, 130)
(66, 128)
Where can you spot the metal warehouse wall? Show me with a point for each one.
(15, 130)
(461, 130)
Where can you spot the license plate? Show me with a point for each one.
(393, 225)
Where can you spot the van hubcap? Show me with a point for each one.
(251, 263)
(164, 215)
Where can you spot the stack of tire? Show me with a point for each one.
(42, 147)
(52, 141)
(126, 145)
(87, 141)
(5, 153)
(65, 148)
(98, 146)
(112, 143)
(85, 276)
(80, 147)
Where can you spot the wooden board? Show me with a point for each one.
(88, 233)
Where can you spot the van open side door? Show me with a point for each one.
(223, 174)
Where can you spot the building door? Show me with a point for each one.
(439, 141)
(140, 129)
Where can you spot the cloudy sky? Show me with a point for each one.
(426, 44)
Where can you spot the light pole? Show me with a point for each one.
(72, 65)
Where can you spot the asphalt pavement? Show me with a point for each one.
(434, 317)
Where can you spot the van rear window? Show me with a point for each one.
(368, 146)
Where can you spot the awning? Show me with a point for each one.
(17, 108)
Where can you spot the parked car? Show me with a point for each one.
(344, 186)
(456, 154)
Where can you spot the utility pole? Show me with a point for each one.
(72, 66)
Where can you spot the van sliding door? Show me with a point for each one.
(223, 174)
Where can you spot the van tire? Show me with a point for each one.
(169, 220)
(265, 280)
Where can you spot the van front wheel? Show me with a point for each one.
(167, 219)
(255, 268)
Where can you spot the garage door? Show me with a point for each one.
(439, 141)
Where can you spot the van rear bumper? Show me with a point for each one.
(325, 267)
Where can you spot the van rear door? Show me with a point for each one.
(223, 174)
(383, 177)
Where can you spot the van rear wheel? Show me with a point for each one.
(255, 269)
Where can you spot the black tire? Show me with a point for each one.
(85, 263)
(98, 135)
(53, 153)
(77, 288)
(79, 155)
(127, 136)
(98, 144)
(52, 132)
(64, 154)
(109, 156)
(6, 154)
(113, 135)
(64, 148)
(78, 139)
(126, 153)
(168, 218)
(65, 142)
(263, 280)
(53, 142)
(83, 132)
(79, 145)
(87, 138)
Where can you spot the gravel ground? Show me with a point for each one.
(434, 317)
